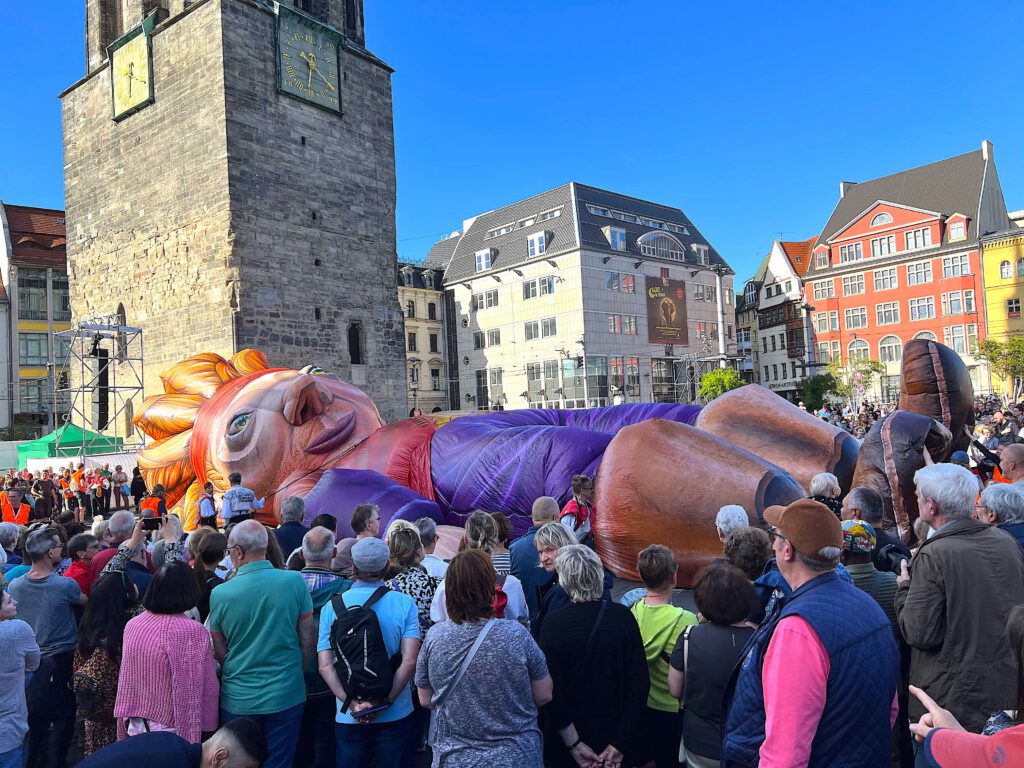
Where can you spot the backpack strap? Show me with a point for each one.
(465, 663)
(378, 593)
(686, 661)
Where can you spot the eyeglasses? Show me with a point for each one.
(774, 534)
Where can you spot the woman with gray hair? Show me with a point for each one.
(1002, 505)
(824, 488)
(596, 658)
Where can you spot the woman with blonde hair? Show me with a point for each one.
(408, 576)
(510, 600)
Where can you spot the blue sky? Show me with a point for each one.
(746, 116)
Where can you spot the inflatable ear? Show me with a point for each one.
(936, 383)
(664, 482)
(758, 420)
(892, 452)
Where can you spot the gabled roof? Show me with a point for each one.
(38, 236)
(573, 229)
(758, 280)
(799, 253)
(441, 252)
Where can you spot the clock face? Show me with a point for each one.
(308, 60)
(130, 76)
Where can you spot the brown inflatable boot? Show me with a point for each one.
(755, 418)
(662, 482)
(936, 383)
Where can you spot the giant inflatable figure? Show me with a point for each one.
(663, 470)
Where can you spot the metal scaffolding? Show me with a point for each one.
(101, 386)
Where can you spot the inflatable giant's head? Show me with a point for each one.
(220, 416)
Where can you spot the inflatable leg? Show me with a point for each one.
(935, 383)
(664, 482)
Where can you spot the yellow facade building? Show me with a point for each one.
(1003, 264)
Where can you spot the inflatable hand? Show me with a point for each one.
(664, 482)
(936, 383)
(768, 426)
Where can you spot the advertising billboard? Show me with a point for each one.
(666, 311)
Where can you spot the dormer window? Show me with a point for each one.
(483, 260)
(957, 230)
(881, 218)
(616, 238)
(537, 243)
(821, 259)
(661, 245)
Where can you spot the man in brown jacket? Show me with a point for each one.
(953, 602)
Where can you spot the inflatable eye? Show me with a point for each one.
(239, 423)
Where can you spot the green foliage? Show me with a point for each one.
(1006, 359)
(854, 378)
(717, 382)
(814, 390)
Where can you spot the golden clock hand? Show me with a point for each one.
(309, 84)
(320, 75)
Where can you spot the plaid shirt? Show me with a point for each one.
(316, 578)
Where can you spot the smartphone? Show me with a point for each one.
(151, 523)
(374, 710)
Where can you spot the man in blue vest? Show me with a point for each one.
(817, 683)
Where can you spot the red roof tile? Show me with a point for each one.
(799, 253)
(40, 221)
(38, 236)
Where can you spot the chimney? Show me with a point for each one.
(987, 150)
(843, 186)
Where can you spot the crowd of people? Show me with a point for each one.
(818, 638)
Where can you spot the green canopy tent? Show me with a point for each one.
(71, 440)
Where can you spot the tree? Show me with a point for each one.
(717, 382)
(814, 390)
(1006, 359)
(855, 378)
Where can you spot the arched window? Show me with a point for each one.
(927, 336)
(661, 245)
(1020, 267)
(122, 340)
(890, 349)
(1005, 271)
(355, 344)
(858, 350)
(880, 219)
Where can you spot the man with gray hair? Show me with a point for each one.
(291, 530)
(1002, 505)
(952, 602)
(816, 644)
(432, 564)
(9, 533)
(525, 559)
(261, 622)
(316, 732)
(120, 527)
(730, 518)
(45, 602)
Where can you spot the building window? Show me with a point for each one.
(494, 337)
(61, 297)
(957, 231)
(885, 279)
(851, 252)
(764, 344)
(33, 349)
(880, 219)
(411, 342)
(432, 310)
(32, 294)
(537, 243)
(789, 285)
(955, 338)
(499, 231)
(547, 285)
(821, 259)
(554, 213)
(551, 380)
(825, 289)
(435, 379)
(1013, 308)
(926, 336)
(548, 327)
(530, 289)
(479, 340)
(856, 318)
(532, 330)
(890, 349)
(482, 400)
(773, 343)
(957, 266)
(853, 285)
(611, 280)
(887, 313)
(858, 350)
(919, 274)
(1005, 270)
(410, 309)
(883, 246)
(919, 238)
(483, 260)
(31, 396)
(775, 370)
(624, 324)
(355, 344)
(660, 246)
(617, 238)
(1020, 267)
(627, 283)
(972, 339)
(491, 298)
(766, 376)
(922, 309)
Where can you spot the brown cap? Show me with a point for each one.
(808, 525)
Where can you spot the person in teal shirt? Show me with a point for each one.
(387, 740)
(261, 622)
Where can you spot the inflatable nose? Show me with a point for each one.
(304, 400)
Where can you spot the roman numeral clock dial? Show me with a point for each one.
(307, 59)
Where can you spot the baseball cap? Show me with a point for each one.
(808, 525)
(858, 537)
(961, 458)
(946, 746)
(370, 555)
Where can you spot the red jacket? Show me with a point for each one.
(80, 571)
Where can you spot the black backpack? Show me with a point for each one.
(360, 656)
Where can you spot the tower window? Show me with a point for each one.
(355, 344)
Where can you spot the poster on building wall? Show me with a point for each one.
(666, 311)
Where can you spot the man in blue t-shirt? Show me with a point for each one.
(386, 739)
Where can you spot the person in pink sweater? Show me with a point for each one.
(168, 680)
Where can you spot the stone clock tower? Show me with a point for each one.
(230, 182)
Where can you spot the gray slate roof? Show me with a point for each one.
(420, 276)
(758, 280)
(441, 253)
(574, 229)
